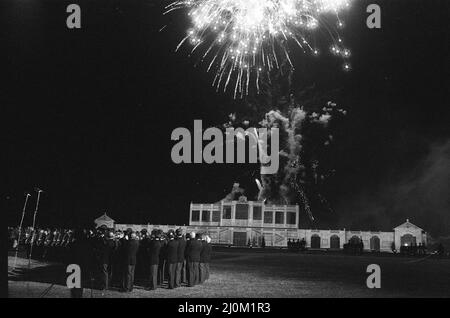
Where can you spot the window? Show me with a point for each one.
(279, 217)
(205, 216)
(227, 212)
(257, 212)
(195, 216)
(241, 211)
(268, 217)
(216, 216)
(315, 241)
(290, 217)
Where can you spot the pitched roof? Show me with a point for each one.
(408, 224)
(104, 217)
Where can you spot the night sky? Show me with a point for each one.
(90, 112)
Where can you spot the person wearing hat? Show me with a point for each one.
(172, 258)
(105, 249)
(141, 266)
(205, 257)
(186, 271)
(193, 259)
(154, 247)
(131, 248)
(180, 276)
(162, 269)
(117, 258)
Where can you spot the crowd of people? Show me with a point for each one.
(43, 243)
(413, 249)
(114, 258)
(354, 246)
(296, 245)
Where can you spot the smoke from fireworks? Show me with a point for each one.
(243, 39)
(304, 137)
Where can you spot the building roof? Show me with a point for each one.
(104, 218)
(408, 224)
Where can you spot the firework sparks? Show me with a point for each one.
(241, 39)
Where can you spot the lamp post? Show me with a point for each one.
(27, 195)
(39, 191)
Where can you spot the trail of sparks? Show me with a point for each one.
(304, 199)
(243, 38)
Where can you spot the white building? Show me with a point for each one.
(408, 233)
(104, 220)
(241, 222)
(238, 222)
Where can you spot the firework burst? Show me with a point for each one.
(240, 40)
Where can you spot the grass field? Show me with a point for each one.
(259, 273)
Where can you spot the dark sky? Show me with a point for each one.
(90, 113)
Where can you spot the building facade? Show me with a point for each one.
(104, 220)
(241, 223)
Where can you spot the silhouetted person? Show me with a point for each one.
(153, 254)
(162, 261)
(106, 249)
(303, 244)
(205, 257)
(172, 259)
(393, 249)
(118, 259)
(186, 270)
(180, 276)
(193, 250)
(131, 249)
(141, 258)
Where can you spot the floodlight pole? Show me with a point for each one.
(27, 195)
(39, 191)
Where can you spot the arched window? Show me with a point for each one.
(354, 240)
(335, 242)
(375, 243)
(315, 241)
(407, 240)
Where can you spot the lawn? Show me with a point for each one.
(260, 274)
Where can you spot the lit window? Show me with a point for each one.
(227, 212)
